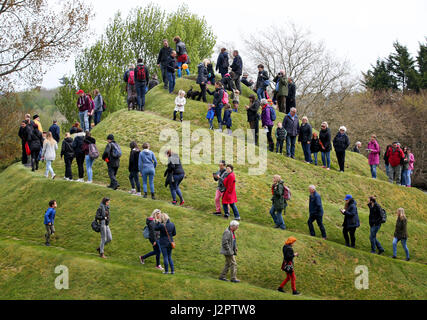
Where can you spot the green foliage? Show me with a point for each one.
(380, 78)
(65, 100)
(402, 67)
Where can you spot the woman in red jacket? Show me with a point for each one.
(229, 197)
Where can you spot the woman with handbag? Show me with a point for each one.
(103, 216)
(288, 265)
(167, 232)
(154, 238)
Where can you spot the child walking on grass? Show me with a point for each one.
(227, 119)
(210, 115)
(49, 219)
(236, 99)
(180, 102)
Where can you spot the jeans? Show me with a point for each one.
(50, 229)
(156, 251)
(395, 173)
(218, 113)
(97, 118)
(148, 172)
(326, 157)
(261, 93)
(408, 178)
(80, 158)
(106, 236)
(277, 217)
(134, 180)
(234, 208)
(319, 220)
(84, 120)
(68, 171)
(374, 170)
(140, 92)
(373, 238)
(290, 146)
(403, 241)
(167, 258)
(346, 232)
(112, 172)
(279, 145)
(210, 123)
(315, 158)
(89, 163)
(218, 196)
(171, 80)
(341, 159)
(387, 169)
(180, 70)
(174, 187)
(307, 153)
(49, 168)
(164, 71)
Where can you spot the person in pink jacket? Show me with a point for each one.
(374, 155)
(410, 170)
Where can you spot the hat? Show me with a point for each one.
(290, 240)
(110, 137)
(348, 197)
(35, 116)
(252, 96)
(227, 75)
(80, 91)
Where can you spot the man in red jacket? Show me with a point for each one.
(395, 156)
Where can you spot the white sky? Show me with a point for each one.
(360, 31)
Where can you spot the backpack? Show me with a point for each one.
(225, 97)
(286, 193)
(116, 151)
(96, 226)
(146, 232)
(131, 77)
(140, 75)
(273, 115)
(93, 151)
(383, 214)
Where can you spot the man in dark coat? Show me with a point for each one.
(261, 84)
(171, 67)
(113, 162)
(54, 128)
(222, 62)
(291, 125)
(290, 98)
(316, 212)
(162, 61)
(253, 116)
(23, 135)
(237, 68)
(141, 80)
(341, 143)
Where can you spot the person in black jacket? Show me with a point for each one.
(341, 143)
(79, 153)
(351, 221)
(237, 68)
(170, 68)
(288, 265)
(67, 152)
(246, 82)
(154, 236)
(22, 133)
(227, 81)
(113, 162)
(133, 169)
(174, 176)
(253, 116)
(386, 163)
(142, 75)
(217, 102)
(325, 145)
(167, 232)
(162, 61)
(304, 136)
(290, 98)
(103, 216)
(314, 147)
(375, 221)
(222, 62)
(261, 82)
(211, 73)
(35, 144)
(202, 79)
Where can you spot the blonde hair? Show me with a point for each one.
(401, 214)
(181, 92)
(164, 218)
(49, 138)
(206, 62)
(305, 118)
(277, 178)
(155, 213)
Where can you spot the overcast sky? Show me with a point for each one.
(359, 31)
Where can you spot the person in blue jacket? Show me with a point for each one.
(222, 62)
(167, 232)
(316, 212)
(54, 128)
(351, 221)
(49, 220)
(227, 119)
(147, 164)
(217, 102)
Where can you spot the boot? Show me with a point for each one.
(152, 196)
(145, 195)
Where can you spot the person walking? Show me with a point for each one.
(134, 169)
(386, 162)
(375, 221)
(132, 96)
(253, 116)
(304, 136)
(170, 69)
(341, 143)
(290, 99)
(202, 79)
(229, 196)
(142, 75)
(35, 144)
(406, 172)
(288, 265)
(174, 175)
(314, 147)
(219, 176)
(222, 62)
(49, 220)
(162, 62)
(56, 131)
(67, 152)
(83, 104)
(282, 90)
(182, 55)
(410, 167)
(395, 157)
(22, 133)
(229, 250)
(154, 237)
(104, 217)
(279, 203)
(147, 164)
(325, 145)
(315, 209)
(167, 232)
(180, 102)
(111, 156)
(262, 82)
(351, 221)
(49, 154)
(280, 137)
(267, 122)
(291, 124)
(99, 102)
(374, 155)
(218, 102)
(401, 233)
(79, 153)
(87, 142)
(237, 69)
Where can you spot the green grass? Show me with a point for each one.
(325, 269)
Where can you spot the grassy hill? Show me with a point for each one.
(325, 269)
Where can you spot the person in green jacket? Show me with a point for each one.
(400, 233)
(279, 203)
(282, 91)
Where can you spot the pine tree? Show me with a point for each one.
(380, 78)
(402, 67)
(422, 66)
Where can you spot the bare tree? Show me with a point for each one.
(34, 34)
(315, 72)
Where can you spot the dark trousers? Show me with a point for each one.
(68, 171)
(156, 251)
(290, 103)
(174, 187)
(282, 103)
(80, 159)
(307, 153)
(349, 231)
(180, 115)
(236, 80)
(218, 113)
(202, 94)
(140, 92)
(112, 172)
(24, 154)
(319, 220)
(167, 258)
(164, 76)
(35, 159)
(134, 180)
(255, 126)
(290, 145)
(279, 145)
(341, 159)
(270, 139)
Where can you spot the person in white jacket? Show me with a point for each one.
(49, 154)
(179, 104)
